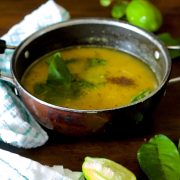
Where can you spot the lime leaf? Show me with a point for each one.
(105, 169)
(170, 41)
(179, 146)
(160, 159)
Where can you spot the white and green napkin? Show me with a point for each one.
(17, 126)
(16, 167)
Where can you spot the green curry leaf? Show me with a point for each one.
(40, 88)
(60, 83)
(84, 84)
(141, 95)
(93, 62)
(58, 73)
(160, 159)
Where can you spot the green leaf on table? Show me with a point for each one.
(119, 10)
(159, 159)
(179, 146)
(170, 41)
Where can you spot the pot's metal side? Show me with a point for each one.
(66, 122)
(135, 119)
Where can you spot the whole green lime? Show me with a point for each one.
(144, 14)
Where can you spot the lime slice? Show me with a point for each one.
(105, 169)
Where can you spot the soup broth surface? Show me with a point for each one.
(105, 78)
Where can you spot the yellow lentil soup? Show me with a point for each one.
(89, 78)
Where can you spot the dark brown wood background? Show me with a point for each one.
(71, 153)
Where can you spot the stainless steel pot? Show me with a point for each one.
(100, 32)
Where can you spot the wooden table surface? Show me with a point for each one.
(71, 152)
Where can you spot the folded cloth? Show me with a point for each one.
(17, 126)
(14, 166)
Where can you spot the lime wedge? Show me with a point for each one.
(105, 169)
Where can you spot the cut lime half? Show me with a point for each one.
(105, 169)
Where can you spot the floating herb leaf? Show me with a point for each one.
(40, 88)
(58, 73)
(71, 60)
(141, 95)
(160, 159)
(60, 83)
(84, 84)
(93, 62)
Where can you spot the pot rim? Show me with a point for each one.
(95, 20)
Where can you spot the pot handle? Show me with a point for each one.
(7, 78)
(176, 47)
(4, 46)
(173, 80)
(176, 79)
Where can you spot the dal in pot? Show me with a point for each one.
(89, 78)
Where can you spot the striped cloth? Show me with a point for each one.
(16, 167)
(17, 126)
